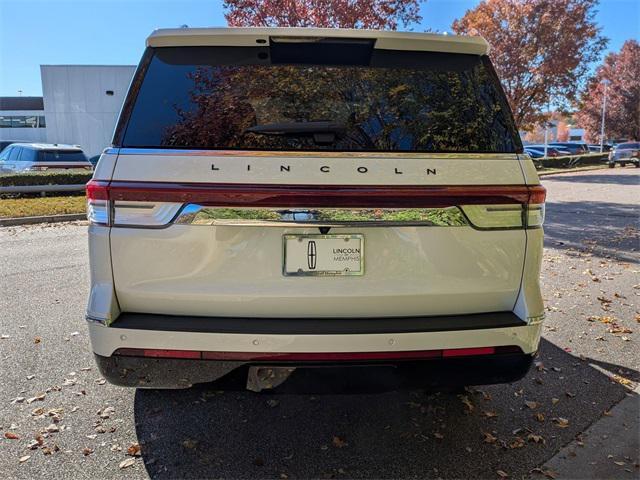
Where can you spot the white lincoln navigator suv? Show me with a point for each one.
(349, 200)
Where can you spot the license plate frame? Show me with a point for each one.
(313, 272)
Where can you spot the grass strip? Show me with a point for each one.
(39, 206)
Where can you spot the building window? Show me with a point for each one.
(22, 121)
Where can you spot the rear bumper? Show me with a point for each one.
(412, 351)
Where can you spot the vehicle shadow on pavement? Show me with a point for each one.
(202, 433)
(600, 227)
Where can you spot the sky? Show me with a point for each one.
(113, 32)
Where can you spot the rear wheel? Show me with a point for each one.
(623, 164)
(637, 164)
(612, 165)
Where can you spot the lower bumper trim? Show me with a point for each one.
(316, 377)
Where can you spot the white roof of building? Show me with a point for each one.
(259, 36)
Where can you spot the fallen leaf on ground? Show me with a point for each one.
(38, 398)
(489, 438)
(134, 449)
(532, 437)
(127, 463)
(339, 442)
(531, 404)
(489, 414)
(539, 417)
(24, 459)
(561, 422)
(502, 474)
(86, 451)
(547, 473)
(189, 443)
(622, 380)
(518, 442)
(106, 412)
(11, 436)
(467, 403)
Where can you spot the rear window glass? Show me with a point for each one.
(62, 156)
(259, 98)
(628, 145)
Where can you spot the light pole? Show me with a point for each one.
(605, 82)
(547, 123)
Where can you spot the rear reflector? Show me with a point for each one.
(171, 353)
(466, 352)
(316, 356)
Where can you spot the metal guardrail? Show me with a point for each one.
(42, 188)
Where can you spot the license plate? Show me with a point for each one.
(323, 255)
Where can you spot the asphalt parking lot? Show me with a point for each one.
(59, 418)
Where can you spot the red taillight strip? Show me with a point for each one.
(316, 356)
(380, 196)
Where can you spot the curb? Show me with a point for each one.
(612, 438)
(70, 217)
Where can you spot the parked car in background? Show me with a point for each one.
(537, 151)
(624, 153)
(20, 157)
(258, 232)
(596, 148)
(575, 148)
(5, 143)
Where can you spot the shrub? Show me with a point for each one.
(570, 161)
(53, 177)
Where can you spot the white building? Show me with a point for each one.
(22, 119)
(82, 102)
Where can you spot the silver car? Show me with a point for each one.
(22, 157)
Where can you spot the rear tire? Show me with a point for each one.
(637, 164)
(623, 164)
(612, 165)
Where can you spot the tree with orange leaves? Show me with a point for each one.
(374, 14)
(622, 121)
(542, 49)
